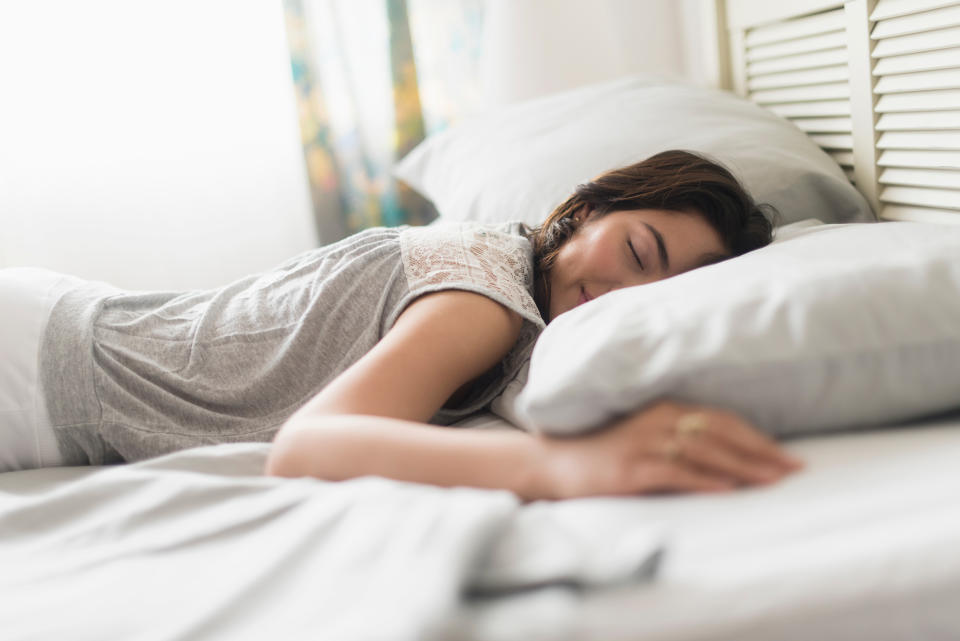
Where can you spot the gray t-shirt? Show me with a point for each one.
(132, 375)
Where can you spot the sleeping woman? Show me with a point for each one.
(352, 358)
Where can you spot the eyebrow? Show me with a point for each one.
(661, 248)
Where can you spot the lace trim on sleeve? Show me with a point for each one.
(467, 254)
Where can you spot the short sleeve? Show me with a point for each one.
(493, 260)
(484, 259)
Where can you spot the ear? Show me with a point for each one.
(584, 214)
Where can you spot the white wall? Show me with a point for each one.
(528, 48)
(534, 47)
(155, 144)
(149, 144)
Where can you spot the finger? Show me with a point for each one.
(655, 476)
(738, 433)
(718, 458)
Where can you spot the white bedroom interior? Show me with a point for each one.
(156, 145)
(183, 144)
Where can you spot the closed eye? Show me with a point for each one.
(634, 252)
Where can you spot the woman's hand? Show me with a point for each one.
(665, 447)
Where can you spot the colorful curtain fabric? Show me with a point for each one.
(359, 104)
(448, 37)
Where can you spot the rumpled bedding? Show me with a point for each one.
(199, 545)
(862, 544)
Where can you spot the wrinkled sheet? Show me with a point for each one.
(200, 545)
(861, 545)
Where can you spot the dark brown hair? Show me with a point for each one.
(673, 180)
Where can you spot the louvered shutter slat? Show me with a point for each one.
(812, 109)
(837, 73)
(919, 120)
(940, 198)
(823, 124)
(920, 101)
(894, 8)
(927, 61)
(918, 22)
(830, 91)
(833, 141)
(921, 178)
(920, 140)
(928, 159)
(797, 28)
(837, 56)
(832, 40)
(919, 81)
(930, 41)
(923, 214)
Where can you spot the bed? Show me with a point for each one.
(852, 111)
(198, 545)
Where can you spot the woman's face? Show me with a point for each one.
(627, 248)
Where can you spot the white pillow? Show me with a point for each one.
(520, 162)
(838, 326)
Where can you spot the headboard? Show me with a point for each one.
(876, 83)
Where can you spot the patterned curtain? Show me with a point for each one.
(359, 108)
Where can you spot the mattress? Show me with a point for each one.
(199, 545)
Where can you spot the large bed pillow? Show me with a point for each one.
(521, 161)
(839, 326)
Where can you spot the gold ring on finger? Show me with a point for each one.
(692, 424)
(670, 450)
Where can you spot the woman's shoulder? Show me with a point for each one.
(495, 260)
(505, 240)
(500, 249)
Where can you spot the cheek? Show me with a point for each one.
(600, 258)
(564, 265)
(563, 276)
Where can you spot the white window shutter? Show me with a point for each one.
(797, 67)
(875, 83)
(917, 89)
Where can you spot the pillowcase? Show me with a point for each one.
(520, 162)
(839, 326)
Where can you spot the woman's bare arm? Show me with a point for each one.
(342, 447)
(438, 343)
(371, 419)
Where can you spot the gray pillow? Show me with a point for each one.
(519, 162)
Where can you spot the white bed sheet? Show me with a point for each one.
(863, 544)
(200, 545)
